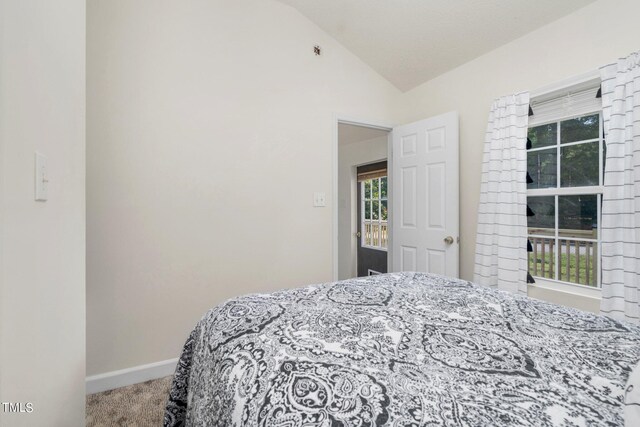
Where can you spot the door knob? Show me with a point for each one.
(358, 234)
(448, 240)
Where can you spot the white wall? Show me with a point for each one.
(580, 42)
(210, 125)
(349, 157)
(42, 250)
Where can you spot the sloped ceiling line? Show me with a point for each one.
(412, 41)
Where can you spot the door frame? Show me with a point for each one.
(348, 120)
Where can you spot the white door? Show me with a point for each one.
(425, 196)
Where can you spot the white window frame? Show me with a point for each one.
(555, 283)
(379, 221)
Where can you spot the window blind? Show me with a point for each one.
(565, 106)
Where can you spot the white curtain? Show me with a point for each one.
(501, 243)
(621, 199)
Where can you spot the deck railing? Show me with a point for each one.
(572, 259)
(376, 234)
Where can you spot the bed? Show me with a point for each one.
(401, 349)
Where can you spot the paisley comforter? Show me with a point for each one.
(403, 349)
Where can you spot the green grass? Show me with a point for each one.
(563, 264)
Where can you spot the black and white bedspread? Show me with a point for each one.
(405, 349)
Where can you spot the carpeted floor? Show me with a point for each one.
(139, 405)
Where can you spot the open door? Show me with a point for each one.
(425, 196)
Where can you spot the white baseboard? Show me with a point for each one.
(129, 376)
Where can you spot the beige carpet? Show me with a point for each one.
(136, 405)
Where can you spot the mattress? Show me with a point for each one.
(401, 349)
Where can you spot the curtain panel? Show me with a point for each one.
(621, 195)
(501, 243)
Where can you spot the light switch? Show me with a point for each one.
(319, 199)
(41, 177)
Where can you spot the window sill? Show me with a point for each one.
(566, 287)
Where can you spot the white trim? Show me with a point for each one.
(562, 145)
(565, 191)
(129, 376)
(566, 287)
(389, 202)
(586, 141)
(344, 119)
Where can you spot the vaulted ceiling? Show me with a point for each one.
(411, 41)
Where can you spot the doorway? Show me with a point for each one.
(423, 196)
(360, 148)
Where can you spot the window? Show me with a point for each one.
(565, 165)
(374, 213)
